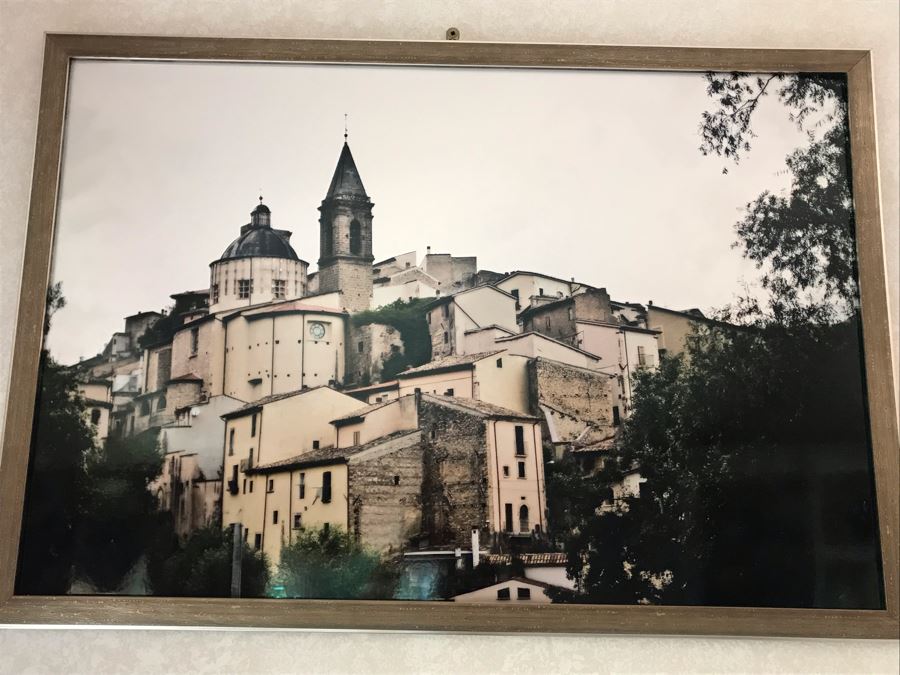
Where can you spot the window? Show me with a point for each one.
(253, 425)
(355, 438)
(327, 240)
(520, 440)
(617, 416)
(507, 521)
(445, 310)
(515, 293)
(521, 469)
(449, 392)
(506, 472)
(360, 346)
(523, 519)
(274, 517)
(642, 355)
(245, 288)
(547, 323)
(540, 291)
(95, 416)
(503, 594)
(279, 288)
(523, 594)
(271, 486)
(298, 521)
(231, 442)
(446, 337)
(161, 403)
(232, 484)
(499, 363)
(315, 445)
(251, 487)
(396, 480)
(355, 237)
(214, 293)
(195, 341)
(301, 494)
(145, 408)
(326, 487)
(326, 528)
(257, 541)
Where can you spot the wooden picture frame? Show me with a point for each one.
(61, 49)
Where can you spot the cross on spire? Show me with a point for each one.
(345, 127)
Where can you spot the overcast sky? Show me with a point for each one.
(594, 175)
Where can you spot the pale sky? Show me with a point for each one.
(595, 175)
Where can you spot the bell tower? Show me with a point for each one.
(345, 237)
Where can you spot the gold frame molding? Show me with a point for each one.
(60, 49)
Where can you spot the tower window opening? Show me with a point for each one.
(355, 237)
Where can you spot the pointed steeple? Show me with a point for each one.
(346, 181)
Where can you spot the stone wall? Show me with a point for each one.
(352, 278)
(557, 319)
(575, 403)
(455, 481)
(385, 495)
(367, 348)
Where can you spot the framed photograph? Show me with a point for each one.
(452, 336)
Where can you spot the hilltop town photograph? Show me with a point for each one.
(467, 335)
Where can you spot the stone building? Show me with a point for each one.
(557, 318)
(451, 317)
(579, 406)
(190, 485)
(259, 266)
(494, 377)
(97, 395)
(484, 470)
(269, 431)
(345, 237)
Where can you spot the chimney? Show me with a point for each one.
(427, 250)
(476, 553)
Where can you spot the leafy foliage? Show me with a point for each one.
(202, 568)
(409, 318)
(119, 513)
(329, 563)
(727, 442)
(727, 130)
(804, 240)
(54, 492)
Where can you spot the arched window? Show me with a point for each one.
(95, 416)
(523, 519)
(327, 240)
(355, 238)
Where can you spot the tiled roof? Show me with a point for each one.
(329, 455)
(362, 412)
(531, 559)
(479, 407)
(256, 405)
(449, 362)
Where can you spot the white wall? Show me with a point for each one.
(761, 23)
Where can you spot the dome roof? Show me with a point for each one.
(260, 242)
